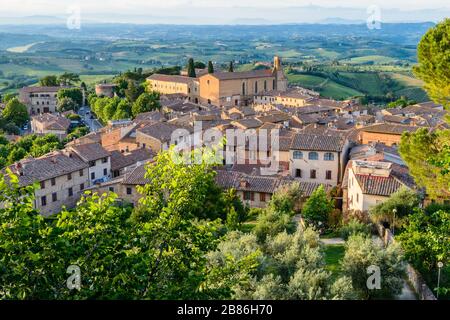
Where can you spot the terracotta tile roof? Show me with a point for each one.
(306, 141)
(266, 184)
(376, 185)
(171, 78)
(52, 165)
(52, 121)
(136, 176)
(121, 160)
(275, 117)
(248, 123)
(90, 151)
(159, 130)
(43, 89)
(396, 119)
(242, 75)
(390, 128)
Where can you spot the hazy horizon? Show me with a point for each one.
(218, 12)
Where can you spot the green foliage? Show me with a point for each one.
(49, 81)
(76, 133)
(232, 220)
(285, 266)
(286, 198)
(191, 68)
(133, 91)
(73, 93)
(426, 238)
(30, 145)
(146, 102)
(317, 208)
(159, 252)
(67, 104)
(8, 97)
(402, 102)
(353, 227)
(231, 67)
(68, 78)
(403, 201)
(210, 67)
(199, 65)
(362, 252)
(107, 108)
(421, 151)
(433, 55)
(16, 112)
(271, 223)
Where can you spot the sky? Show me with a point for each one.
(276, 11)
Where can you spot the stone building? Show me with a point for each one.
(105, 89)
(319, 158)
(40, 99)
(62, 177)
(98, 159)
(222, 88)
(48, 123)
(387, 133)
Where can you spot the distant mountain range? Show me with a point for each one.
(241, 15)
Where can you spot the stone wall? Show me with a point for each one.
(414, 277)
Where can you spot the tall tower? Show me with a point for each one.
(280, 78)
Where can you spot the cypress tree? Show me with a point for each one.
(210, 67)
(191, 68)
(231, 68)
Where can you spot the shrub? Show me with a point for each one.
(354, 227)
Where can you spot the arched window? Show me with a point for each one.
(328, 156)
(243, 88)
(313, 156)
(298, 154)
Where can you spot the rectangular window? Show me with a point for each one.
(104, 160)
(262, 197)
(44, 200)
(70, 192)
(328, 175)
(312, 174)
(53, 181)
(105, 172)
(247, 195)
(42, 184)
(54, 197)
(92, 175)
(82, 187)
(252, 196)
(69, 176)
(298, 173)
(111, 189)
(92, 163)
(129, 191)
(81, 172)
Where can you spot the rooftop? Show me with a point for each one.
(90, 151)
(306, 141)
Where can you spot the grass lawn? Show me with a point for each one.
(333, 256)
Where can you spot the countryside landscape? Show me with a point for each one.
(339, 61)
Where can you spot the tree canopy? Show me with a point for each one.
(16, 112)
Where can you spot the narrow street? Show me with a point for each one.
(86, 114)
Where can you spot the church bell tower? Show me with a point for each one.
(280, 78)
